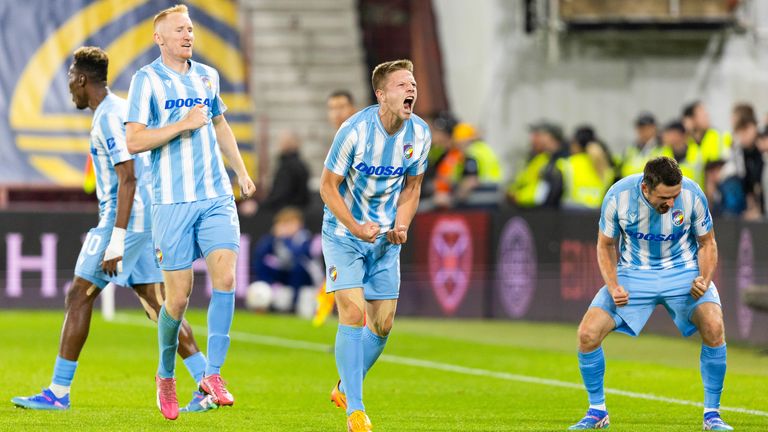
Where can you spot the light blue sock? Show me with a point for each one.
(221, 310)
(64, 371)
(592, 368)
(712, 363)
(196, 364)
(349, 362)
(373, 345)
(168, 340)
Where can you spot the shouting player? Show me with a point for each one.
(370, 185)
(667, 256)
(175, 111)
(122, 187)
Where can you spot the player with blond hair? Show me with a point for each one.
(176, 112)
(370, 185)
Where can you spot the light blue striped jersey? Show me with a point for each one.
(107, 150)
(190, 167)
(374, 165)
(653, 241)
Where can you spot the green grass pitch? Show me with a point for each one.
(436, 375)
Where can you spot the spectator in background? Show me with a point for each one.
(742, 174)
(540, 183)
(762, 145)
(686, 154)
(713, 144)
(289, 186)
(441, 125)
(341, 106)
(740, 113)
(456, 176)
(647, 145)
(283, 256)
(587, 175)
(483, 191)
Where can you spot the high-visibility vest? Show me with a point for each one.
(449, 171)
(693, 164)
(583, 187)
(714, 145)
(526, 185)
(636, 158)
(488, 166)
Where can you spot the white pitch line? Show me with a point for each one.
(446, 367)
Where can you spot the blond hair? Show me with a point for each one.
(179, 8)
(382, 71)
(92, 61)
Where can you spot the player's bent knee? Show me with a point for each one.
(589, 338)
(81, 293)
(351, 315)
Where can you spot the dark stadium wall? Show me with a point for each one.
(534, 265)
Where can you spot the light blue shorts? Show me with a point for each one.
(352, 263)
(647, 289)
(184, 232)
(139, 265)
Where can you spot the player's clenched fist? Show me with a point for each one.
(620, 295)
(398, 234)
(197, 117)
(247, 188)
(367, 231)
(699, 287)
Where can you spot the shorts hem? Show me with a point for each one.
(234, 247)
(383, 297)
(100, 283)
(176, 267)
(343, 287)
(144, 282)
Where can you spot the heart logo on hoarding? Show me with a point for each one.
(450, 262)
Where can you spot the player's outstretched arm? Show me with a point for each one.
(407, 204)
(329, 192)
(126, 188)
(228, 146)
(606, 260)
(707, 263)
(140, 139)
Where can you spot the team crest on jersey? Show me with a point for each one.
(677, 217)
(207, 82)
(159, 255)
(332, 273)
(408, 150)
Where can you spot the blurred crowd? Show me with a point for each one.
(570, 172)
(576, 171)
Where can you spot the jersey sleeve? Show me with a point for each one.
(702, 219)
(218, 106)
(342, 152)
(420, 167)
(113, 134)
(609, 217)
(141, 102)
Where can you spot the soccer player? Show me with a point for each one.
(667, 255)
(370, 185)
(124, 221)
(175, 111)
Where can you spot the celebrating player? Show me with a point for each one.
(370, 185)
(175, 111)
(124, 203)
(667, 256)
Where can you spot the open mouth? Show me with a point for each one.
(408, 103)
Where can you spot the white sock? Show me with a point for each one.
(709, 410)
(600, 407)
(59, 390)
